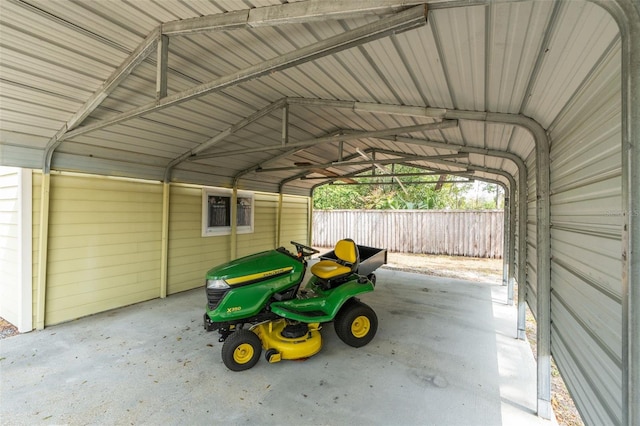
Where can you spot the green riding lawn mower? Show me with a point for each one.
(260, 302)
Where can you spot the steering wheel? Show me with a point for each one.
(304, 251)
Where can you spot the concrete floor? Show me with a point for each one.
(445, 354)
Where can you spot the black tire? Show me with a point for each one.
(269, 353)
(241, 350)
(356, 324)
(372, 278)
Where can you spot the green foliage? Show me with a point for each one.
(383, 193)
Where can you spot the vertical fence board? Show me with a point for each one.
(449, 232)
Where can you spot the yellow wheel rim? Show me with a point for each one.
(360, 326)
(243, 353)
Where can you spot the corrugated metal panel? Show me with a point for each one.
(586, 295)
(460, 34)
(374, 68)
(419, 52)
(581, 34)
(512, 52)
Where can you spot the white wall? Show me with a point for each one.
(15, 247)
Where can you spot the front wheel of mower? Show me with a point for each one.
(356, 324)
(241, 350)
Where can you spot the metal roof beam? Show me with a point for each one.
(162, 66)
(425, 173)
(380, 167)
(497, 172)
(446, 124)
(347, 163)
(289, 13)
(371, 107)
(468, 149)
(413, 182)
(390, 109)
(137, 56)
(402, 21)
(402, 160)
(221, 136)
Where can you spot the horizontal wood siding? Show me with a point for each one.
(263, 236)
(104, 245)
(456, 233)
(295, 220)
(190, 255)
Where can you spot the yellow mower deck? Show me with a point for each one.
(270, 334)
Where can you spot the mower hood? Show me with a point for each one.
(257, 267)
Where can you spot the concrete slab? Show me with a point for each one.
(445, 354)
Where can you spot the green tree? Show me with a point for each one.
(383, 192)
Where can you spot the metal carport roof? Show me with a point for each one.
(231, 93)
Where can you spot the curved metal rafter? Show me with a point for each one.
(407, 19)
(626, 13)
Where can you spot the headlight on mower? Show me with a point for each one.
(217, 285)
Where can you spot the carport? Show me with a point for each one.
(264, 96)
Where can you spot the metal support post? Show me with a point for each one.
(162, 66)
(164, 256)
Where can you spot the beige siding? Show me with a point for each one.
(105, 241)
(295, 218)
(190, 255)
(264, 229)
(10, 244)
(104, 245)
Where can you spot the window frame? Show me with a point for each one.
(218, 230)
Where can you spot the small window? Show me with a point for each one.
(216, 212)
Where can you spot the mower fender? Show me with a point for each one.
(325, 306)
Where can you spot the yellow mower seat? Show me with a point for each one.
(347, 261)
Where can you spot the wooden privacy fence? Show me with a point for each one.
(450, 232)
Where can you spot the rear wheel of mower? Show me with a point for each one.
(356, 324)
(241, 350)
